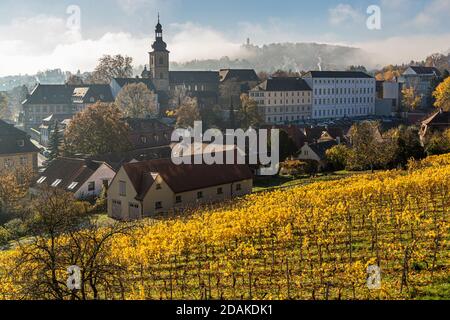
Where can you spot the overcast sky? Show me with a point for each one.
(41, 34)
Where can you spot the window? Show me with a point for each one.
(178, 199)
(23, 161)
(91, 186)
(219, 190)
(143, 139)
(8, 163)
(72, 186)
(158, 205)
(133, 210)
(41, 180)
(20, 143)
(122, 188)
(200, 195)
(238, 187)
(56, 183)
(158, 186)
(116, 208)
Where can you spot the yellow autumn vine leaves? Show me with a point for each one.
(310, 242)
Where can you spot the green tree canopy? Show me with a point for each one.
(99, 129)
(55, 142)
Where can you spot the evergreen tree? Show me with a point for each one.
(55, 142)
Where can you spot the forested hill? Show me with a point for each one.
(286, 56)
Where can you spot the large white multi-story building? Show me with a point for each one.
(283, 100)
(338, 94)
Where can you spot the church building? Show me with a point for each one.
(63, 101)
(204, 85)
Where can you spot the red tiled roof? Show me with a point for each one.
(183, 178)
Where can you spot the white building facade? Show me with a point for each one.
(283, 100)
(339, 94)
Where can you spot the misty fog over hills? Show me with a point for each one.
(285, 56)
(295, 57)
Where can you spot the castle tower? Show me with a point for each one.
(159, 61)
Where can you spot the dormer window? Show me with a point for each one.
(21, 143)
(41, 180)
(56, 183)
(72, 186)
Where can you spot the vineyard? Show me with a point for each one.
(308, 242)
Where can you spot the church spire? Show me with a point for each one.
(159, 61)
(159, 30)
(159, 44)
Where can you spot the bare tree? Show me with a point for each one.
(61, 236)
(110, 67)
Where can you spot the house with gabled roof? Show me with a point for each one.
(317, 152)
(61, 101)
(16, 149)
(83, 177)
(156, 187)
(439, 121)
(148, 133)
(235, 82)
(421, 79)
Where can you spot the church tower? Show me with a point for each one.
(159, 61)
